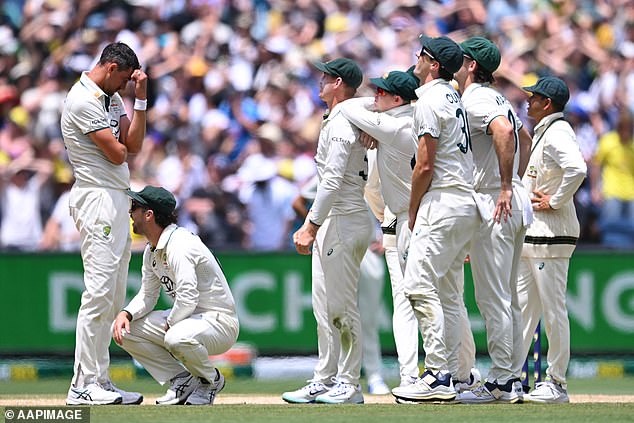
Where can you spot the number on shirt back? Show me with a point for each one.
(464, 127)
(516, 136)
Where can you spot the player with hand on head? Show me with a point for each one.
(443, 216)
(174, 345)
(386, 123)
(338, 228)
(555, 171)
(99, 136)
(501, 147)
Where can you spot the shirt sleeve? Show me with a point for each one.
(566, 153)
(341, 138)
(426, 121)
(147, 297)
(89, 115)
(380, 126)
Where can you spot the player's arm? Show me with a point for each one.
(565, 152)
(379, 126)
(422, 174)
(114, 151)
(525, 150)
(502, 134)
(133, 132)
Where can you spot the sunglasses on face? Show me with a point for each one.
(381, 92)
(135, 205)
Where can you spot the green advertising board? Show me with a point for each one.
(41, 295)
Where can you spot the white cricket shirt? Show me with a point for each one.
(85, 112)
(342, 169)
(483, 104)
(439, 112)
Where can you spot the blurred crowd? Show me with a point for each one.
(234, 112)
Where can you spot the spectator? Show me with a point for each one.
(613, 183)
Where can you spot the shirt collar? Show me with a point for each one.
(424, 88)
(546, 120)
(94, 89)
(165, 236)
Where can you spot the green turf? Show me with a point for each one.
(371, 413)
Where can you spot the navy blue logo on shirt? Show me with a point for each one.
(329, 252)
(541, 265)
(169, 286)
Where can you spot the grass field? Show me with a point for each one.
(53, 391)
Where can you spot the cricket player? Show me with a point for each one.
(339, 226)
(387, 118)
(99, 136)
(555, 171)
(443, 216)
(174, 345)
(500, 144)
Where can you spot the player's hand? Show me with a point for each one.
(304, 238)
(541, 201)
(368, 141)
(503, 207)
(140, 84)
(121, 327)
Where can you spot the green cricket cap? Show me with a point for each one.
(483, 51)
(551, 87)
(157, 199)
(399, 83)
(444, 50)
(346, 69)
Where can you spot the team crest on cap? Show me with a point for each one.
(385, 75)
(106, 231)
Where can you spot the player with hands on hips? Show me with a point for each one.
(443, 216)
(338, 228)
(555, 171)
(99, 136)
(174, 345)
(500, 147)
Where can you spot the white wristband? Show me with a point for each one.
(140, 104)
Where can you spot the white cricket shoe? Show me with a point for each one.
(181, 387)
(492, 392)
(92, 394)
(205, 393)
(377, 386)
(342, 393)
(306, 394)
(408, 380)
(475, 381)
(428, 387)
(548, 392)
(127, 398)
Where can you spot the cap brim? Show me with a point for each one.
(380, 82)
(322, 67)
(135, 196)
(424, 40)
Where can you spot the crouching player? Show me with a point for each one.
(174, 345)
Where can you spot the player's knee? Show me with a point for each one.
(173, 342)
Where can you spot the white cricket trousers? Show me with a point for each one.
(495, 253)
(404, 323)
(371, 281)
(445, 223)
(101, 216)
(541, 289)
(337, 253)
(188, 343)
